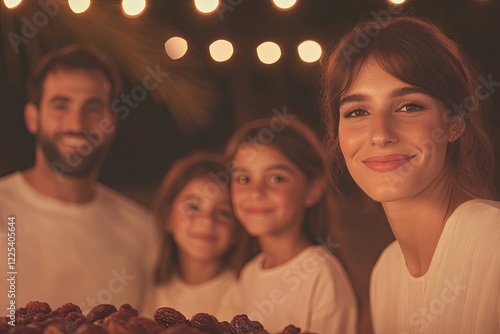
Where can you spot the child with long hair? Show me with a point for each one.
(279, 195)
(199, 261)
(404, 115)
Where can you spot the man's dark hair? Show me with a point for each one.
(71, 57)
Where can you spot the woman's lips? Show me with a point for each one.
(387, 163)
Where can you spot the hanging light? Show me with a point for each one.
(206, 6)
(268, 52)
(284, 4)
(11, 4)
(221, 50)
(176, 47)
(309, 51)
(397, 2)
(133, 8)
(79, 6)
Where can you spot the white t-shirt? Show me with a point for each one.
(310, 291)
(190, 299)
(103, 251)
(460, 293)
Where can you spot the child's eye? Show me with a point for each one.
(411, 107)
(277, 179)
(357, 112)
(192, 207)
(225, 213)
(241, 179)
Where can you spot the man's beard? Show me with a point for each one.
(79, 164)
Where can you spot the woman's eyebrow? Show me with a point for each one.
(402, 91)
(354, 98)
(398, 92)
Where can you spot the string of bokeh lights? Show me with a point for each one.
(221, 50)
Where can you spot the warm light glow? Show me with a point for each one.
(206, 6)
(133, 8)
(221, 50)
(268, 52)
(309, 51)
(176, 47)
(397, 2)
(11, 3)
(79, 6)
(284, 4)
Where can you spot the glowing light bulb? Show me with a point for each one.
(176, 47)
(79, 6)
(284, 4)
(12, 3)
(206, 6)
(268, 52)
(221, 50)
(133, 8)
(309, 51)
(397, 2)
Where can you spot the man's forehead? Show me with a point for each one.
(77, 80)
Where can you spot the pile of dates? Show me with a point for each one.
(39, 318)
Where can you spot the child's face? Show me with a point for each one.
(269, 193)
(202, 220)
(393, 135)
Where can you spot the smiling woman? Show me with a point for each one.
(404, 116)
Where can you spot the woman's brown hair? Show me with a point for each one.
(420, 54)
(299, 144)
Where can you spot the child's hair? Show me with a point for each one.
(420, 54)
(299, 144)
(193, 166)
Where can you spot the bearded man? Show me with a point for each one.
(64, 236)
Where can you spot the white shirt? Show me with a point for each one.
(460, 293)
(103, 251)
(190, 299)
(310, 291)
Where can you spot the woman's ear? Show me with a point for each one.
(31, 115)
(315, 191)
(457, 128)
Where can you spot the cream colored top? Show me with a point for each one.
(190, 299)
(103, 251)
(460, 293)
(311, 291)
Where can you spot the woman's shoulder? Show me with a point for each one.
(480, 206)
(478, 217)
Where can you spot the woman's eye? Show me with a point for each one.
(355, 113)
(411, 107)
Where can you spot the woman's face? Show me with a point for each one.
(202, 221)
(393, 135)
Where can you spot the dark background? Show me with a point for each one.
(199, 105)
